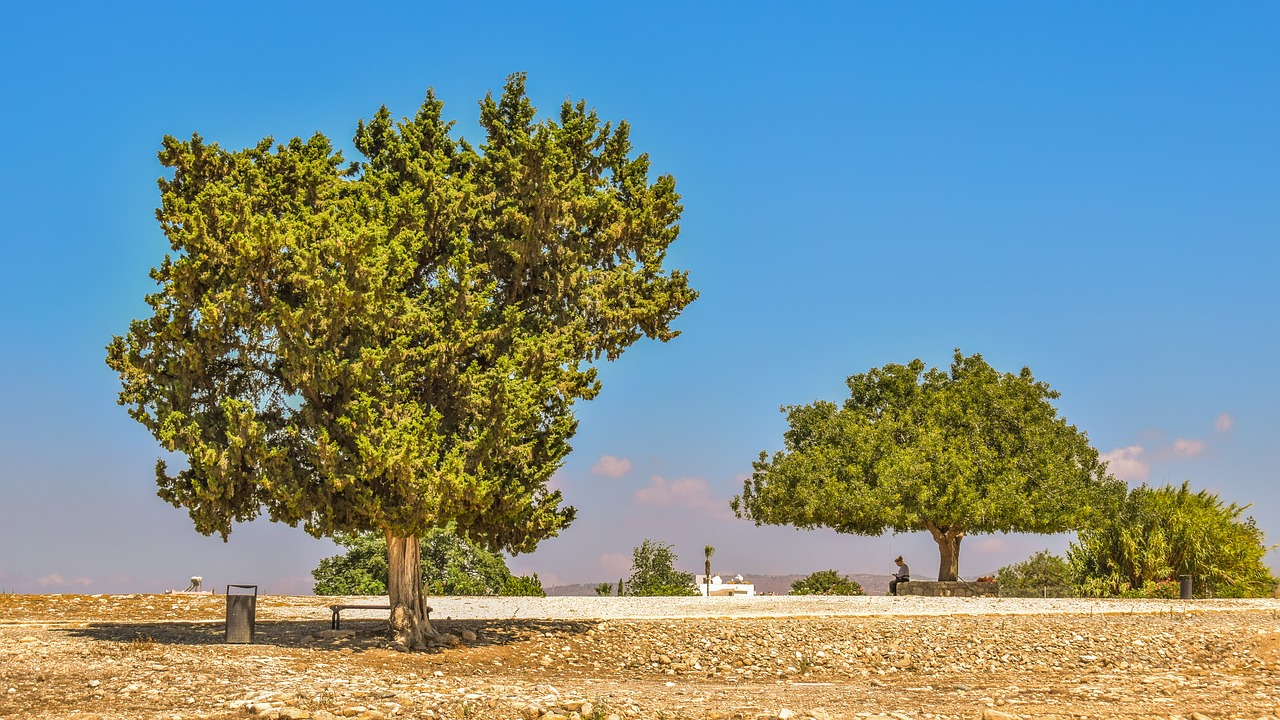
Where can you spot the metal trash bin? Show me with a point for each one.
(241, 608)
(1184, 585)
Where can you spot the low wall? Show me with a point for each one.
(929, 588)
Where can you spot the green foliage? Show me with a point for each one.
(826, 582)
(396, 344)
(604, 589)
(968, 451)
(653, 572)
(1161, 590)
(451, 565)
(1042, 570)
(523, 586)
(1159, 534)
(361, 570)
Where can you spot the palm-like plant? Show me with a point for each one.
(707, 552)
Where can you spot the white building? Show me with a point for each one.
(735, 587)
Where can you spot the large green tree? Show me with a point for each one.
(1162, 533)
(958, 452)
(396, 344)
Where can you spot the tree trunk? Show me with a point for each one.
(948, 540)
(409, 624)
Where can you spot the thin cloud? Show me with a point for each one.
(1224, 423)
(56, 581)
(691, 493)
(1188, 448)
(1127, 463)
(610, 466)
(993, 544)
(615, 563)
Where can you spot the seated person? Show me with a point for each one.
(903, 575)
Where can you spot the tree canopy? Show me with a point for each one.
(396, 344)
(968, 451)
(450, 566)
(1162, 533)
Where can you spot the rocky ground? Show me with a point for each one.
(157, 656)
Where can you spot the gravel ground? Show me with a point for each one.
(771, 658)
(566, 608)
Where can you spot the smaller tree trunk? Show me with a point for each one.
(948, 540)
(409, 624)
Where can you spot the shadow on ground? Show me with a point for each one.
(356, 635)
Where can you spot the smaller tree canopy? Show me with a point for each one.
(1040, 571)
(653, 572)
(451, 565)
(968, 451)
(1162, 533)
(826, 582)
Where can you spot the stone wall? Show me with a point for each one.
(929, 588)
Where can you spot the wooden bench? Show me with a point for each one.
(336, 622)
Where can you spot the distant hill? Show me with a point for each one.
(765, 584)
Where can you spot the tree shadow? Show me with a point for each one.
(357, 634)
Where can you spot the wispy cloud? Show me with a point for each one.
(685, 492)
(57, 581)
(610, 466)
(615, 563)
(1127, 463)
(1224, 423)
(992, 544)
(1186, 447)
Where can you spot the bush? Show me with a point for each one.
(523, 586)
(826, 582)
(1035, 576)
(653, 572)
(1162, 589)
(1161, 533)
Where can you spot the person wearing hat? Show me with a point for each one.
(903, 575)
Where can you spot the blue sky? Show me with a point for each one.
(1089, 190)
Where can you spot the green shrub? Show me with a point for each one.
(1161, 533)
(826, 582)
(1042, 570)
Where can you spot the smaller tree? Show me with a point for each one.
(826, 582)
(653, 572)
(450, 565)
(604, 589)
(1035, 575)
(361, 570)
(956, 453)
(1161, 533)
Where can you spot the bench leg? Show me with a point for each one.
(336, 621)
